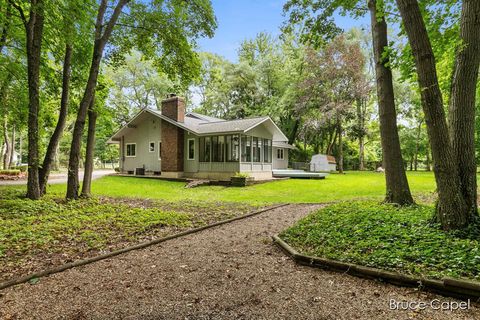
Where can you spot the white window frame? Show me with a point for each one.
(126, 149)
(159, 150)
(282, 153)
(188, 148)
(149, 145)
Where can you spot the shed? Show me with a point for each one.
(323, 162)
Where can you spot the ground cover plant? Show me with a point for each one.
(35, 235)
(385, 236)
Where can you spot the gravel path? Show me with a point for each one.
(228, 272)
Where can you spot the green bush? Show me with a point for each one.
(117, 169)
(12, 172)
(241, 175)
(388, 237)
(21, 168)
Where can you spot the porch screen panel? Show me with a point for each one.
(221, 148)
(208, 149)
(267, 150)
(256, 149)
(246, 149)
(215, 155)
(201, 149)
(232, 148)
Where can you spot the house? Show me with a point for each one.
(175, 144)
(323, 163)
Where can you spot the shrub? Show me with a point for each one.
(241, 175)
(22, 168)
(117, 169)
(10, 172)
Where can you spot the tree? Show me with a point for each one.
(319, 27)
(34, 35)
(334, 83)
(455, 207)
(102, 35)
(397, 188)
(164, 30)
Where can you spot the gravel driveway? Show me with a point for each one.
(228, 272)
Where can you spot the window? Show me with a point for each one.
(280, 154)
(256, 146)
(215, 155)
(246, 143)
(131, 149)
(159, 150)
(267, 150)
(151, 147)
(232, 148)
(191, 149)
(218, 149)
(205, 149)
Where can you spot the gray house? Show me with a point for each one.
(175, 144)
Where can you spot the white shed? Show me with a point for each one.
(323, 162)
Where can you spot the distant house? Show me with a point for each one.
(175, 144)
(323, 163)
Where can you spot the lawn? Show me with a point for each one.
(352, 185)
(387, 237)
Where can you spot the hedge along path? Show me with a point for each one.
(142, 245)
(457, 288)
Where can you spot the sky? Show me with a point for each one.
(244, 19)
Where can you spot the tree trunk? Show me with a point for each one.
(6, 143)
(361, 137)
(87, 174)
(12, 148)
(451, 210)
(62, 120)
(34, 35)
(99, 45)
(340, 144)
(397, 188)
(428, 158)
(417, 144)
(462, 102)
(361, 153)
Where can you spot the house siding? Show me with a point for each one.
(148, 130)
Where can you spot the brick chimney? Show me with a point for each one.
(174, 108)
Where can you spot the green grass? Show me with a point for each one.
(387, 237)
(353, 185)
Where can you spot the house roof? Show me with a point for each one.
(204, 125)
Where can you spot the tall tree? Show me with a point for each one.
(462, 102)
(316, 16)
(455, 207)
(397, 188)
(103, 31)
(89, 160)
(34, 36)
(44, 171)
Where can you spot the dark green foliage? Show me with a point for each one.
(388, 237)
